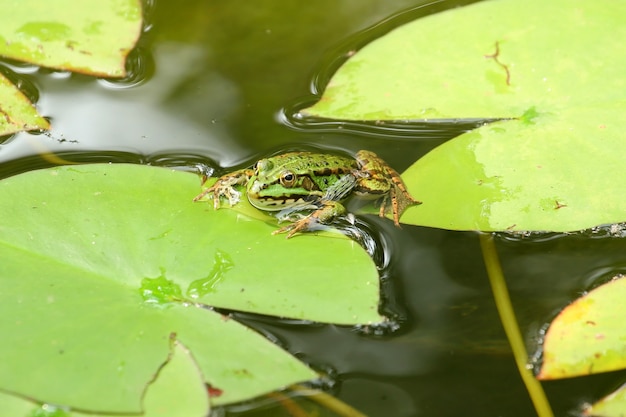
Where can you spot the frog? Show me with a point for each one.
(311, 187)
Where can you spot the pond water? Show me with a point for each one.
(217, 83)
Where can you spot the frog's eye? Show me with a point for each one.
(287, 179)
(263, 165)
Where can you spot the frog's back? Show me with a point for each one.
(313, 163)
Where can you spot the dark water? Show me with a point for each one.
(217, 83)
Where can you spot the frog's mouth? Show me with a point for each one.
(274, 197)
(282, 204)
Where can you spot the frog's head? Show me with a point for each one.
(275, 188)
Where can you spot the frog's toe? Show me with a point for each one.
(291, 233)
(289, 228)
(296, 227)
(233, 196)
(201, 195)
(281, 230)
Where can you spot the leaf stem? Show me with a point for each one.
(328, 401)
(511, 327)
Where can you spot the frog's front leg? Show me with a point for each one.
(224, 187)
(328, 211)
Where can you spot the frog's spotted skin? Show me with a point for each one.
(306, 181)
(298, 178)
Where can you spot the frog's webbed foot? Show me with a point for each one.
(220, 190)
(400, 200)
(302, 225)
(224, 187)
(323, 215)
(382, 179)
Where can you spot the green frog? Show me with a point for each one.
(315, 184)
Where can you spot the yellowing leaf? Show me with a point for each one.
(588, 336)
(613, 405)
(17, 113)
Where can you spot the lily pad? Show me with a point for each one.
(520, 175)
(492, 59)
(180, 375)
(588, 336)
(92, 36)
(17, 113)
(551, 168)
(177, 390)
(613, 405)
(104, 264)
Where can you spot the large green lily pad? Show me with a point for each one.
(89, 36)
(588, 335)
(104, 264)
(17, 113)
(555, 67)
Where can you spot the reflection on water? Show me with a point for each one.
(218, 84)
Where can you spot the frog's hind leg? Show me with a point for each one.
(380, 179)
(328, 211)
(398, 185)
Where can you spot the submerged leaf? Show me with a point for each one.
(17, 113)
(588, 336)
(90, 36)
(104, 264)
